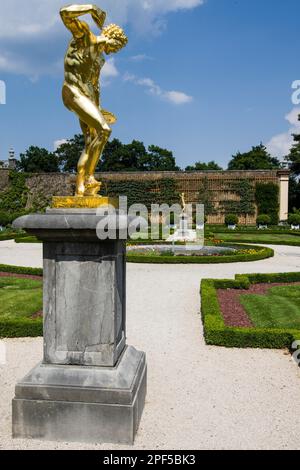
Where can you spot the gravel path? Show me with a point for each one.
(199, 397)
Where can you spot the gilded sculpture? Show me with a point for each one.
(81, 89)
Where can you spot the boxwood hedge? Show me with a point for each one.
(262, 253)
(218, 334)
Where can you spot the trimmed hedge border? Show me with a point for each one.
(25, 327)
(21, 328)
(267, 242)
(218, 334)
(160, 259)
(7, 268)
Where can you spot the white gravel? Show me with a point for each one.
(199, 397)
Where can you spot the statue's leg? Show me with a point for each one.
(84, 158)
(90, 115)
(97, 148)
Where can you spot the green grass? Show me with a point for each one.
(275, 337)
(260, 237)
(20, 299)
(278, 308)
(247, 254)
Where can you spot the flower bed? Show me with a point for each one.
(223, 327)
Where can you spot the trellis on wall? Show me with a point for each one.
(221, 192)
(245, 193)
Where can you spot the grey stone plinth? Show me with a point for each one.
(80, 403)
(84, 287)
(90, 387)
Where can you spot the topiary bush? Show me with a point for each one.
(294, 219)
(267, 200)
(231, 219)
(263, 219)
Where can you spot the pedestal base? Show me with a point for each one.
(83, 202)
(82, 403)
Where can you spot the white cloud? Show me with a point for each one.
(293, 117)
(177, 97)
(58, 143)
(33, 37)
(174, 97)
(280, 144)
(140, 58)
(39, 17)
(110, 70)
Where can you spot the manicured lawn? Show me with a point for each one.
(279, 308)
(19, 298)
(259, 237)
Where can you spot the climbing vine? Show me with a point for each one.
(204, 198)
(246, 204)
(13, 199)
(267, 200)
(143, 192)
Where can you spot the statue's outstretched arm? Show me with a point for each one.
(71, 13)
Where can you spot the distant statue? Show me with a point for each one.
(81, 91)
(183, 203)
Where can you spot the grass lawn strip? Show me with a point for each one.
(279, 307)
(21, 303)
(219, 333)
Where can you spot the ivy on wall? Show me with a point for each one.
(204, 198)
(246, 205)
(267, 200)
(14, 198)
(143, 192)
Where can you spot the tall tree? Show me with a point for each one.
(202, 166)
(121, 157)
(294, 156)
(38, 160)
(157, 159)
(257, 158)
(135, 157)
(116, 157)
(69, 153)
(294, 193)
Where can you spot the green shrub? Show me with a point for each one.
(231, 219)
(6, 268)
(259, 254)
(263, 219)
(267, 200)
(24, 328)
(294, 219)
(218, 334)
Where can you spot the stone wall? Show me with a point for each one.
(41, 187)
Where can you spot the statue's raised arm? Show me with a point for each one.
(84, 60)
(78, 28)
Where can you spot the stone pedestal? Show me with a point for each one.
(90, 386)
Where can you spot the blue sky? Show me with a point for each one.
(202, 78)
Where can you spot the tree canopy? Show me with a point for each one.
(257, 158)
(294, 156)
(135, 157)
(38, 160)
(69, 153)
(202, 166)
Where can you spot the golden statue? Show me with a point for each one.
(182, 196)
(81, 90)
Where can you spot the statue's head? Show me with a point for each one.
(117, 38)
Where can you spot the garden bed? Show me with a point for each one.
(244, 253)
(265, 237)
(20, 305)
(257, 310)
